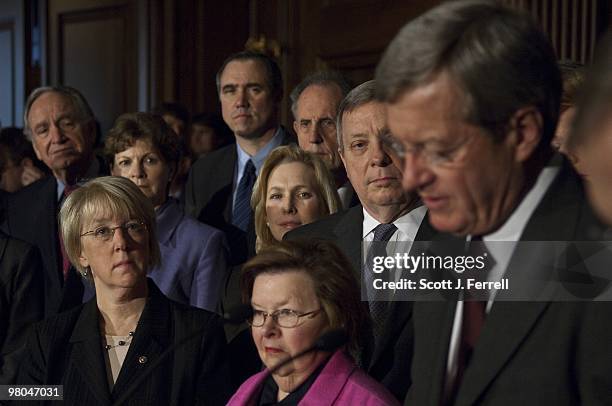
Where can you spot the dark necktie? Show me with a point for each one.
(241, 215)
(378, 308)
(474, 314)
(68, 189)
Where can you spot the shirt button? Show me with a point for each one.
(142, 359)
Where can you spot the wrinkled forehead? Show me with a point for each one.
(53, 102)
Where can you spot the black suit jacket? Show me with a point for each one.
(32, 216)
(21, 301)
(528, 353)
(388, 361)
(67, 350)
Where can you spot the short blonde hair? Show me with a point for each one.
(325, 187)
(113, 196)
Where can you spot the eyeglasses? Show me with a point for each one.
(286, 318)
(135, 229)
(434, 156)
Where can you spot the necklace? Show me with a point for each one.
(120, 343)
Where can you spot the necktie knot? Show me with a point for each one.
(383, 232)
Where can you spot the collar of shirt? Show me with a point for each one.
(502, 242)
(261, 155)
(407, 225)
(92, 172)
(257, 159)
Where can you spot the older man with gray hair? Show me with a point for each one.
(472, 94)
(61, 126)
(386, 214)
(314, 103)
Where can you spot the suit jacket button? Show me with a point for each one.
(142, 359)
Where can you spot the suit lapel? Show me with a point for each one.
(434, 322)
(504, 331)
(556, 217)
(46, 219)
(349, 232)
(226, 177)
(152, 336)
(399, 310)
(87, 348)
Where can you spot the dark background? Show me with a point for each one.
(128, 55)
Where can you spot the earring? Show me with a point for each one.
(85, 272)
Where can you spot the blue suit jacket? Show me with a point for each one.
(193, 265)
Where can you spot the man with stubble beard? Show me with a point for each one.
(220, 184)
(219, 188)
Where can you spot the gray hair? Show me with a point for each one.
(595, 100)
(111, 196)
(363, 94)
(83, 110)
(497, 57)
(322, 78)
(273, 74)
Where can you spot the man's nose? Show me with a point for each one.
(378, 155)
(242, 99)
(56, 133)
(415, 173)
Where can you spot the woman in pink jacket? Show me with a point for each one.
(300, 290)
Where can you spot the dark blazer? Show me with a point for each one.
(67, 350)
(208, 197)
(528, 353)
(32, 216)
(387, 362)
(21, 301)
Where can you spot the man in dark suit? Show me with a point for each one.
(61, 126)
(314, 104)
(21, 300)
(218, 190)
(220, 184)
(472, 94)
(376, 180)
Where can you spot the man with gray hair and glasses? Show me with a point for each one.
(472, 94)
(61, 126)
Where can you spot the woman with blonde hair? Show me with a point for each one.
(99, 350)
(293, 188)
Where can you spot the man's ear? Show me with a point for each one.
(526, 126)
(295, 126)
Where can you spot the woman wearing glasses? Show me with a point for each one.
(300, 290)
(193, 268)
(99, 350)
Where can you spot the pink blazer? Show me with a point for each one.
(339, 383)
